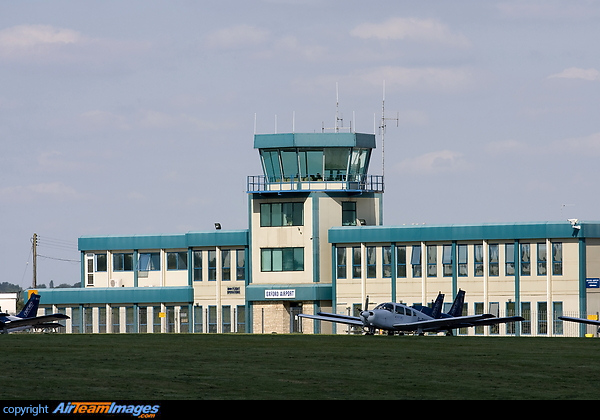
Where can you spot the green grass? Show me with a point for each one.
(207, 366)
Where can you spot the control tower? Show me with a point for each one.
(310, 183)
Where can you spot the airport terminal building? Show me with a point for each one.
(316, 242)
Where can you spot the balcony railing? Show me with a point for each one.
(364, 183)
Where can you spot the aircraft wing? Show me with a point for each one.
(443, 323)
(494, 321)
(580, 320)
(34, 322)
(344, 319)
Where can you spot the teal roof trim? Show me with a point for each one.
(318, 140)
(116, 295)
(185, 240)
(425, 233)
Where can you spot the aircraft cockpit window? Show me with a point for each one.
(400, 310)
(385, 306)
(409, 312)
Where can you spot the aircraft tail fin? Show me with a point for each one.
(31, 307)
(457, 305)
(437, 306)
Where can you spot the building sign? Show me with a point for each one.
(233, 290)
(280, 294)
(592, 283)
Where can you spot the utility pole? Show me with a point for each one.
(34, 252)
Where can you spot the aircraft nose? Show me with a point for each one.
(365, 315)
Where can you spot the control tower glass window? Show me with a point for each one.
(271, 163)
(311, 165)
(358, 164)
(336, 163)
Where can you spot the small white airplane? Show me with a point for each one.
(28, 318)
(399, 318)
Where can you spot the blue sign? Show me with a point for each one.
(592, 283)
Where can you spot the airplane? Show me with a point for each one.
(581, 321)
(400, 318)
(28, 318)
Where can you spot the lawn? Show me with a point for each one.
(207, 366)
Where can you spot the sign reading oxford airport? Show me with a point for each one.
(280, 294)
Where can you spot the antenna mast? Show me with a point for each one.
(382, 128)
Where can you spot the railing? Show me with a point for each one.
(364, 183)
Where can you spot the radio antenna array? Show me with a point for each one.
(382, 128)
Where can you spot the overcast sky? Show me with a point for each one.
(137, 117)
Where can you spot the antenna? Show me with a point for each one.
(382, 128)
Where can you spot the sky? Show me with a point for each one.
(137, 117)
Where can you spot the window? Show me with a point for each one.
(541, 259)
(557, 324)
(226, 265)
(509, 257)
(282, 259)
(241, 318)
(281, 214)
(197, 265)
(526, 313)
(311, 165)
(226, 319)
(447, 260)
(123, 262)
(240, 264)
(149, 261)
(542, 318)
(478, 260)
(177, 261)
(100, 262)
(356, 262)
(401, 261)
(415, 261)
(336, 163)
(349, 213)
(431, 260)
(371, 262)
(511, 310)
(525, 260)
(479, 329)
(494, 260)
(557, 259)
(341, 262)
(463, 260)
(386, 266)
(212, 265)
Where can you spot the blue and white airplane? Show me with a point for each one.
(399, 318)
(28, 318)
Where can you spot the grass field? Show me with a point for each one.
(207, 366)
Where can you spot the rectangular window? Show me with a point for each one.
(226, 318)
(282, 259)
(281, 214)
(478, 311)
(177, 260)
(401, 261)
(197, 265)
(356, 263)
(526, 313)
(525, 260)
(541, 259)
(511, 310)
(463, 260)
(240, 264)
(386, 266)
(415, 261)
(100, 262)
(478, 260)
(557, 259)
(494, 262)
(241, 318)
(509, 257)
(557, 324)
(542, 308)
(431, 260)
(149, 261)
(123, 262)
(447, 260)
(226, 265)
(341, 262)
(198, 317)
(371, 262)
(212, 265)
(349, 213)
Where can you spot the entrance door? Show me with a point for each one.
(295, 323)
